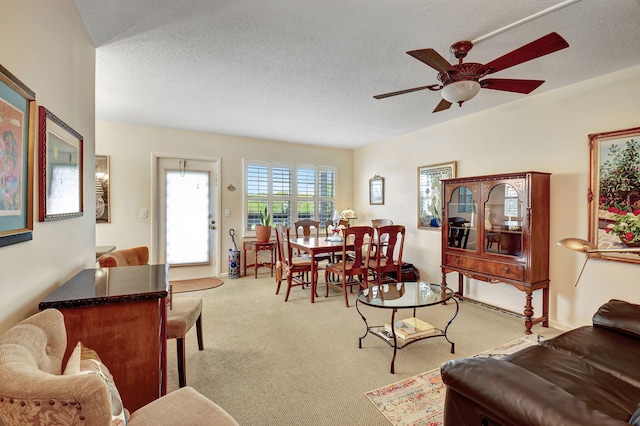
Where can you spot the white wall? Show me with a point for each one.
(45, 45)
(131, 149)
(545, 132)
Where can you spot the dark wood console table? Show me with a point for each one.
(121, 314)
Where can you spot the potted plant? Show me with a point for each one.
(263, 231)
(626, 226)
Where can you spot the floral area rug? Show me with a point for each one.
(419, 400)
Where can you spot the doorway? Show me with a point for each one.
(187, 211)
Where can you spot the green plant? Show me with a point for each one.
(265, 217)
(626, 226)
(620, 176)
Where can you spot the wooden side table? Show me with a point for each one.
(257, 247)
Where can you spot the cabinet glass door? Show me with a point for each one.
(462, 212)
(503, 215)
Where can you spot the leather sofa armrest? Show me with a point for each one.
(619, 316)
(516, 396)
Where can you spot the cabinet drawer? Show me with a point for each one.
(499, 269)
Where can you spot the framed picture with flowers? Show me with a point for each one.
(614, 192)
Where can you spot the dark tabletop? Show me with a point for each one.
(99, 286)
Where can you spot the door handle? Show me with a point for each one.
(213, 225)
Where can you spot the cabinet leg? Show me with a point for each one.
(528, 313)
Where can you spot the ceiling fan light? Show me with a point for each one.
(460, 91)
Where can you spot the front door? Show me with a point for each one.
(187, 214)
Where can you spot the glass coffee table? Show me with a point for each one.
(408, 295)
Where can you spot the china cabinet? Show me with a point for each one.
(496, 229)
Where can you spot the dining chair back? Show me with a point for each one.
(377, 223)
(290, 267)
(458, 232)
(310, 228)
(388, 249)
(354, 262)
(182, 312)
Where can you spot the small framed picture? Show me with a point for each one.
(60, 164)
(376, 190)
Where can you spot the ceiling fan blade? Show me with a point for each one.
(511, 85)
(543, 46)
(433, 59)
(401, 92)
(444, 104)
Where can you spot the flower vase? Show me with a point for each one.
(263, 233)
(628, 243)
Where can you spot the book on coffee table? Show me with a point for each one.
(411, 328)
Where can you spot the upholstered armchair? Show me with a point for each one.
(33, 389)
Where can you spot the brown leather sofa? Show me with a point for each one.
(586, 376)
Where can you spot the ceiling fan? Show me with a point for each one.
(461, 82)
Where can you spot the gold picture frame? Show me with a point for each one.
(614, 192)
(430, 193)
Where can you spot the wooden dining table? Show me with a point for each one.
(314, 246)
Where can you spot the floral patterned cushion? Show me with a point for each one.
(16, 411)
(86, 361)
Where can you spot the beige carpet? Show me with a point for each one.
(195, 284)
(270, 362)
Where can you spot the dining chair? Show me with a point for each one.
(182, 312)
(458, 232)
(292, 268)
(387, 253)
(328, 226)
(356, 241)
(310, 228)
(377, 223)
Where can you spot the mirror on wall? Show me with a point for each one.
(60, 164)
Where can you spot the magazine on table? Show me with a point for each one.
(410, 328)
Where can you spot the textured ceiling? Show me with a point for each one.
(305, 71)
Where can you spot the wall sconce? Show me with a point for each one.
(591, 250)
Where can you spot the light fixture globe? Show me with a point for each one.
(460, 91)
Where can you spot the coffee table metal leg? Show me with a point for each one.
(455, 314)
(366, 325)
(395, 342)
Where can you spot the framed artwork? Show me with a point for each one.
(430, 193)
(60, 164)
(376, 190)
(103, 194)
(17, 127)
(614, 192)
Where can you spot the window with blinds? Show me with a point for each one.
(290, 192)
